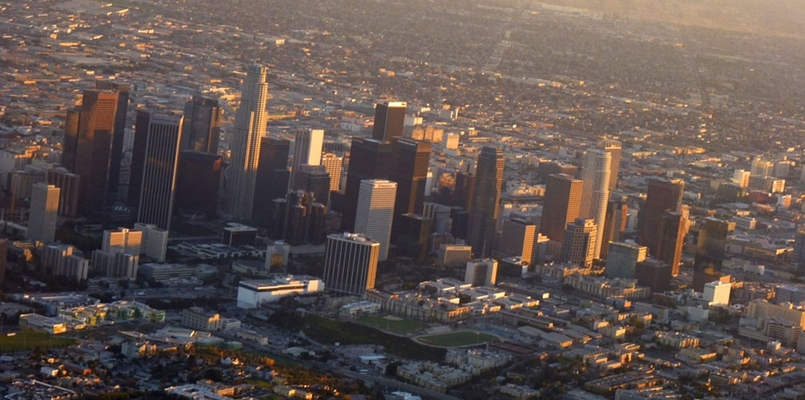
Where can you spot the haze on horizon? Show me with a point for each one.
(772, 17)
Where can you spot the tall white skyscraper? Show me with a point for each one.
(251, 119)
(595, 191)
(306, 150)
(375, 211)
(44, 211)
(333, 164)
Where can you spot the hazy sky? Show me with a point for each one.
(778, 17)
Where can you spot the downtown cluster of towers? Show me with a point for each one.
(175, 161)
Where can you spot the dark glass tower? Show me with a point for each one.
(272, 178)
(202, 126)
(486, 201)
(313, 179)
(88, 146)
(119, 131)
(369, 159)
(160, 160)
(561, 205)
(410, 160)
(197, 182)
(710, 249)
(389, 120)
(662, 195)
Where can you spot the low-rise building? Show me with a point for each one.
(253, 293)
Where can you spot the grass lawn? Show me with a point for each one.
(392, 324)
(457, 339)
(27, 340)
(346, 333)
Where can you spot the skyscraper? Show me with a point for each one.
(622, 258)
(272, 178)
(375, 212)
(198, 179)
(43, 213)
(88, 146)
(250, 126)
(710, 250)
(333, 164)
(578, 245)
(614, 224)
(350, 263)
(160, 161)
(671, 238)
(369, 159)
(410, 170)
(68, 184)
(202, 126)
(595, 191)
(389, 120)
(486, 201)
(306, 150)
(613, 147)
(561, 205)
(313, 179)
(412, 234)
(119, 132)
(663, 194)
(518, 239)
(122, 240)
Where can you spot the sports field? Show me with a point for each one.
(392, 324)
(457, 339)
(27, 340)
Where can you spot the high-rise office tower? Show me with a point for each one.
(3, 259)
(672, 230)
(272, 178)
(198, 179)
(158, 160)
(350, 263)
(251, 119)
(154, 242)
(654, 274)
(622, 258)
(119, 132)
(202, 125)
(462, 192)
(88, 145)
(304, 219)
(710, 250)
(43, 213)
(410, 170)
(578, 245)
(613, 147)
(663, 194)
(614, 224)
(375, 212)
(389, 120)
(561, 205)
(486, 201)
(481, 272)
(518, 239)
(333, 164)
(369, 159)
(68, 184)
(595, 191)
(122, 240)
(313, 179)
(741, 178)
(413, 233)
(306, 150)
